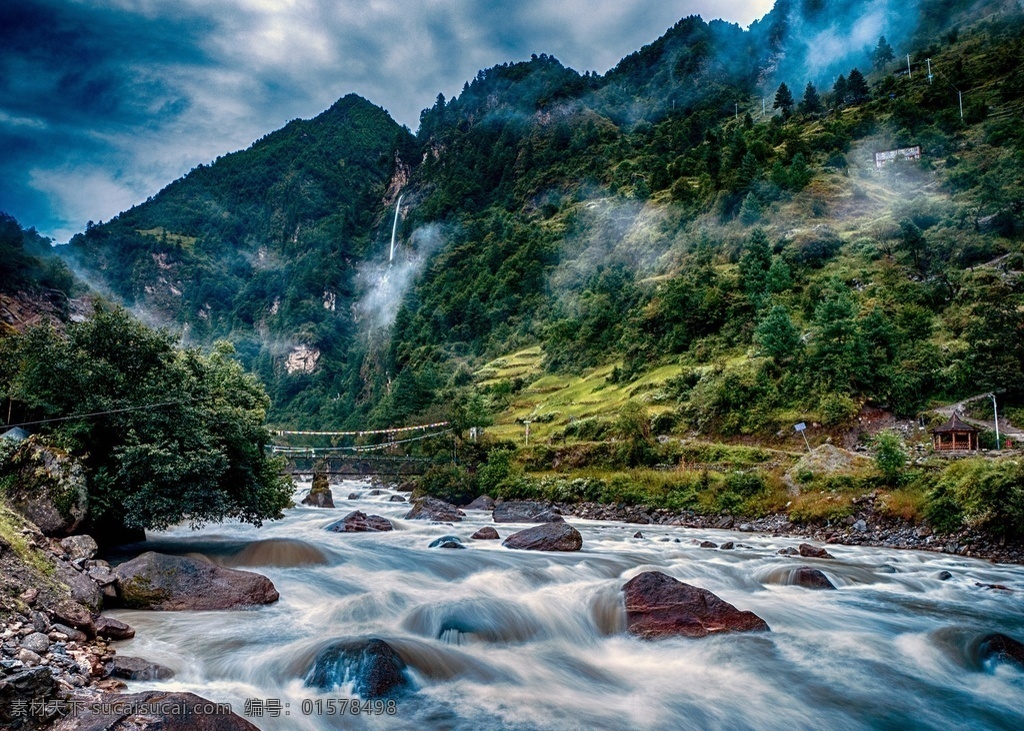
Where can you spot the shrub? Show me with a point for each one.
(979, 494)
(890, 456)
(450, 483)
(498, 470)
(837, 408)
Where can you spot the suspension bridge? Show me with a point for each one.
(395, 452)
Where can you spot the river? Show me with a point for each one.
(502, 639)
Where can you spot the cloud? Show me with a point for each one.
(138, 92)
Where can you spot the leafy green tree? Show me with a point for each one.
(890, 455)
(776, 336)
(181, 435)
(783, 100)
(883, 53)
(811, 103)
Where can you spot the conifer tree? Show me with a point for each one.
(811, 103)
(839, 91)
(883, 53)
(857, 87)
(783, 100)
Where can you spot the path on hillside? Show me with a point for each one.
(1006, 429)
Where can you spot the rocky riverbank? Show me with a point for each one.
(866, 527)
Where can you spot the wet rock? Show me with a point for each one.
(375, 492)
(35, 688)
(943, 576)
(708, 544)
(319, 495)
(430, 508)
(788, 551)
(525, 511)
(359, 522)
(50, 488)
(37, 642)
(137, 668)
(396, 499)
(1003, 648)
(659, 606)
(638, 534)
(484, 502)
(173, 712)
(447, 542)
(113, 629)
(74, 615)
(728, 546)
(811, 578)
(353, 496)
(808, 551)
(860, 526)
(79, 547)
(169, 583)
(84, 590)
(372, 665)
(71, 633)
(487, 533)
(546, 537)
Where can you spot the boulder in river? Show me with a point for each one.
(659, 606)
(525, 511)
(484, 502)
(430, 508)
(359, 522)
(546, 537)
(320, 495)
(372, 665)
(113, 629)
(137, 668)
(811, 578)
(169, 583)
(1000, 647)
(487, 533)
(808, 551)
(396, 499)
(447, 542)
(154, 709)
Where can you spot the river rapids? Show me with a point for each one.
(501, 639)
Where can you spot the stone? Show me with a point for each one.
(166, 711)
(430, 508)
(353, 496)
(811, 578)
(71, 633)
(1000, 647)
(29, 596)
(860, 526)
(50, 488)
(84, 590)
(359, 522)
(808, 551)
(113, 629)
(788, 551)
(728, 546)
(525, 511)
(319, 498)
(372, 665)
(169, 583)
(137, 668)
(546, 537)
(484, 502)
(943, 576)
(110, 685)
(447, 542)
(29, 658)
(487, 533)
(708, 544)
(35, 687)
(659, 606)
(74, 615)
(638, 534)
(37, 642)
(79, 547)
(396, 499)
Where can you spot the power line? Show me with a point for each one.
(93, 414)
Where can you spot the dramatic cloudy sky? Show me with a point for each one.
(103, 102)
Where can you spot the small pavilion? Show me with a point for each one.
(955, 435)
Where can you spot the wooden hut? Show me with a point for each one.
(954, 435)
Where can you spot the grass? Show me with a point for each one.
(185, 242)
(11, 525)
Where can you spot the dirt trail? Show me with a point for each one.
(1006, 429)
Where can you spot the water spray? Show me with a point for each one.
(394, 230)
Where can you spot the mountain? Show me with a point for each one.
(708, 210)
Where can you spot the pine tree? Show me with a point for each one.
(811, 103)
(883, 53)
(857, 87)
(776, 336)
(783, 100)
(839, 91)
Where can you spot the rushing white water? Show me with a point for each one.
(502, 639)
(394, 229)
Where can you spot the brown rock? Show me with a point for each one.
(168, 583)
(487, 533)
(359, 522)
(808, 551)
(484, 502)
(176, 712)
(75, 615)
(659, 606)
(708, 544)
(50, 489)
(79, 547)
(136, 668)
(1002, 647)
(430, 508)
(546, 537)
(811, 578)
(525, 511)
(113, 629)
(29, 596)
(319, 495)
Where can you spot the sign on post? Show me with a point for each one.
(802, 428)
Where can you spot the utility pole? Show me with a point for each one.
(762, 107)
(929, 62)
(910, 74)
(960, 94)
(527, 433)
(995, 413)
(737, 110)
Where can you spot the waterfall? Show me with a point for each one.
(394, 229)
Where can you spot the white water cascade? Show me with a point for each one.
(500, 639)
(394, 229)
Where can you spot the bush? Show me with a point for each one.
(890, 456)
(978, 493)
(450, 483)
(837, 408)
(498, 470)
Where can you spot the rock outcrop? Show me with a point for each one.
(430, 508)
(811, 578)
(487, 533)
(659, 606)
(484, 502)
(169, 583)
(49, 488)
(547, 537)
(177, 712)
(525, 511)
(319, 495)
(372, 665)
(359, 522)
